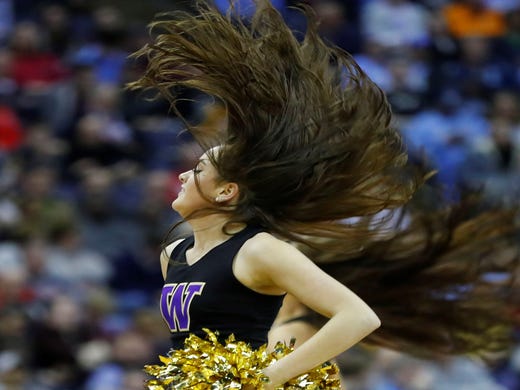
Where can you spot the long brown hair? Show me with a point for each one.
(310, 143)
(444, 281)
(309, 138)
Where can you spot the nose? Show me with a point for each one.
(183, 176)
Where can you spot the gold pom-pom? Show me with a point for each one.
(206, 364)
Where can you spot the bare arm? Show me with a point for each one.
(291, 323)
(165, 257)
(269, 265)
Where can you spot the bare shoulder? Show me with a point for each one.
(165, 256)
(170, 247)
(264, 245)
(265, 255)
(257, 259)
(167, 251)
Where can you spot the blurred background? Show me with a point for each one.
(88, 171)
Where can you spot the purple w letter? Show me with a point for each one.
(176, 299)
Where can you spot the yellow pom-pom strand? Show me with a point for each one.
(206, 364)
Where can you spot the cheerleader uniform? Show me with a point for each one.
(207, 294)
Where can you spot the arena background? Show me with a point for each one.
(88, 171)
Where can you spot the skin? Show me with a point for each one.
(271, 266)
(290, 325)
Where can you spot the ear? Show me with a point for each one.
(227, 192)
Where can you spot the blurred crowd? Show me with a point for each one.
(88, 170)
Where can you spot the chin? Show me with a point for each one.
(174, 204)
(180, 207)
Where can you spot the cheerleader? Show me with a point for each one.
(308, 143)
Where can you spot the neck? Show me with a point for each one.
(207, 231)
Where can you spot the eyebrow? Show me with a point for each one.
(203, 161)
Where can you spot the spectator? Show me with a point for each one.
(395, 23)
(468, 18)
(8, 87)
(409, 83)
(104, 104)
(107, 54)
(11, 130)
(41, 207)
(41, 148)
(55, 340)
(6, 18)
(15, 289)
(72, 98)
(406, 373)
(92, 147)
(34, 67)
(68, 263)
(56, 23)
(511, 41)
(494, 162)
(336, 26)
(443, 46)
(476, 75)
(104, 229)
(399, 72)
(373, 60)
(130, 352)
(36, 70)
(442, 134)
(14, 348)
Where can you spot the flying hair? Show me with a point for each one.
(309, 137)
(310, 142)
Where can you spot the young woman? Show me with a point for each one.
(308, 144)
(233, 281)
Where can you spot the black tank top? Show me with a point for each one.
(207, 294)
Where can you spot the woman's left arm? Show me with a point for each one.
(268, 264)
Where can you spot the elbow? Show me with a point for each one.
(376, 322)
(372, 321)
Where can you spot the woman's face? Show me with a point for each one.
(190, 198)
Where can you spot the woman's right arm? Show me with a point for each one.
(291, 323)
